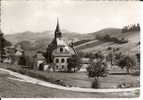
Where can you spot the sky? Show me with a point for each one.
(76, 16)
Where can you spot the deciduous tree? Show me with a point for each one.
(74, 63)
(96, 70)
(127, 62)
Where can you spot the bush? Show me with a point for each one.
(74, 63)
(138, 57)
(97, 69)
(95, 84)
(109, 48)
(126, 62)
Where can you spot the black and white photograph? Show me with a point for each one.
(70, 48)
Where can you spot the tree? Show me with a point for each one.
(74, 63)
(138, 57)
(25, 45)
(118, 56)
(131, 28)
(125, 29)
(99, 55)
(127, 62)
(138, 27)
(1, 46)
(107, 37)
(110, 58)
(96, 70)
(3, 43)
(22, 60)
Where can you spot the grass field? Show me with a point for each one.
(15, 89)
(82, 80)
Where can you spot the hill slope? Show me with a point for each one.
(110, 31)
(95, 45)
(88, 41)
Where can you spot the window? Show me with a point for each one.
(57, 67)
(68, 60)
(63, 66)
(57, 60)
(63, 60)
(61, 49)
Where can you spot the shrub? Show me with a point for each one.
(109, 48)
(126, 62)
(95, 84)
(74, 63)
(138, 57)
(97, 69)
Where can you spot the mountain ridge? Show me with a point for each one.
(32, 36)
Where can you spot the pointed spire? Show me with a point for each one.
(57, 31)
(57, 27)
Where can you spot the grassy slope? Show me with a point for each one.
(96, 45)
(110, 31)
(82, 80)
(44, 38)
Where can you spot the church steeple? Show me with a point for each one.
(58, 33)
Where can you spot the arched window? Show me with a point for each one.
(63, 60)
(63, 66)
(61, 49)
(57, 60)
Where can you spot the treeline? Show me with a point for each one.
(108, 38)
(131, 28)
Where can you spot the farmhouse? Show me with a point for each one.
(58, 51)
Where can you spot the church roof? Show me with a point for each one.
(69, 51)
(60, 41)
